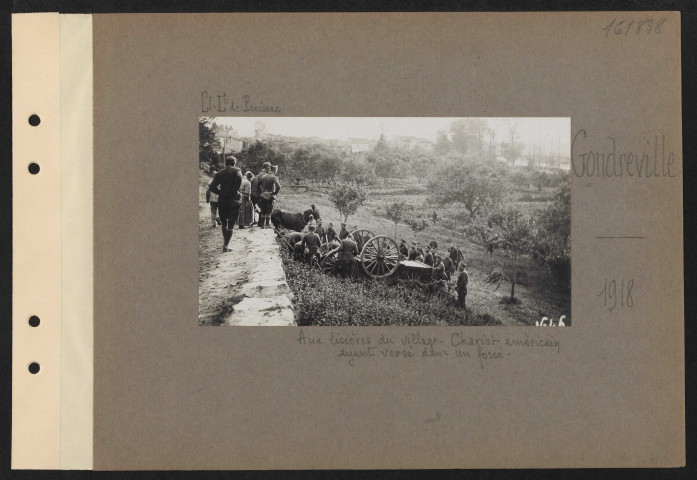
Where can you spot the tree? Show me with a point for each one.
(417, 224)
(385, 167)
(475, 186)
(357, 170)
(381, 146)
(206, 140)
(556, 220)
(396, 212)
(254, 156)
(347, 197)
(434, 218)
(459, 136)
(512, 149)
(517, 235)
(443, 145)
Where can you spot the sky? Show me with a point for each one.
(530, 130)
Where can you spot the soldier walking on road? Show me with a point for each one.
(226, 184)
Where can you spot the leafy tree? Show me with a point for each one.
(357, 170)
(517, 235)
(385, 167)
(381, 146)
(397, 212)
(521, 179)
(475, 186)
(206, 140)
(541, 179)
(443, 145)
(347, 197)
(459, 136)
(485, 231)
(417, 224)
(512, 149)
(556, 220)
(254, 156)
(329, 166)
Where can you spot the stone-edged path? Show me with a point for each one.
(246, 286)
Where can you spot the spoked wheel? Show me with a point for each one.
(361, 237)
(324, 249)
(330, 262)
(316, 263)
(380, 257)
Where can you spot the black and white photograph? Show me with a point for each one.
(331, 221)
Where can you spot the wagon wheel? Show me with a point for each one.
(330, 262)
(361, 237)
(380, 257)
(324, 249)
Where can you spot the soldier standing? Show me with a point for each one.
(349, 251)
(226, 184)
(270, 186)
(462, 281)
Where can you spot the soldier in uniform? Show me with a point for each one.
(212, 199)
(403, 249)
(462, 281)
(330, 232)
(310, 243)
(256, 189)
(343, 233)
(226, 184)
(349, 251)
(270, 186)
(413, 253)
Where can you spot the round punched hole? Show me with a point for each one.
(34, 120)
(34, 168)
(34, 321)
(34, 368)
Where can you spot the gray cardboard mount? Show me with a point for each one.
(169, 394)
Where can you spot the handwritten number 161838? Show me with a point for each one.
(616, 293)
(645, 27)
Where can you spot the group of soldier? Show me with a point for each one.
(236, 198)
(443, 268)
(306, 245)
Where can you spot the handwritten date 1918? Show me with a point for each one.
(647, 26)
(617, 293)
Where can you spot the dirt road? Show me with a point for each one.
(246, 286)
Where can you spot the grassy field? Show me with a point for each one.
(535, 291)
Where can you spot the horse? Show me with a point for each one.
(293, 221)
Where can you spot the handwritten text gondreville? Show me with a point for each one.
(224, 103)
(653, 159)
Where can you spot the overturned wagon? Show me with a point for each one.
(379, 257)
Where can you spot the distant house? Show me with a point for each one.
(230, 144)
(341, 146)
(359, 145)
(410, 143)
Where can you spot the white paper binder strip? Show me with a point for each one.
(76, 220)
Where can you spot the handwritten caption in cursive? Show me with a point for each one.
(357, 347)
(625, 27)
(221, 102)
